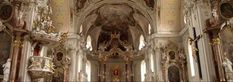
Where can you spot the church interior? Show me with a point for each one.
(116, 40)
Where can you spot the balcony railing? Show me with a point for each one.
(40, 67)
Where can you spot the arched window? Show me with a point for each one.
(190, 51)
(88, 71)
(173, 74)
(143, 70)
(79, 62)
(152, 62)
(88, 45)
(149, 29)
(81, 29)
(141, 42)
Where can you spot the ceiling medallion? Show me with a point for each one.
(6, 12)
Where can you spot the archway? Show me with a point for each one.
(173, 74)
(115, 31)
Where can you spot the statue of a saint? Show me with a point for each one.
(6, 70)
(228, 68)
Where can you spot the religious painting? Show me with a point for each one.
(173, 74)
(226, 10)
(5, 49)
(172, 55)
(116, 74)
(6, 12)
(59, 56)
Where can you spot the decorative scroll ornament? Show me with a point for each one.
(17, 43)
(40, 67)
(43, 22)
(63, 38)
(2, 27)
(127, 55)
(167, 60)
(230, 23)
(216, 41)
(188, 5)
(116, 73)
(61, 60)
(43, 30)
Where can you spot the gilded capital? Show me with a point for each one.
(216, 41)
(17, 43)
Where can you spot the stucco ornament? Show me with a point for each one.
(6, 70)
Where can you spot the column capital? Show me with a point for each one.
(73, 36)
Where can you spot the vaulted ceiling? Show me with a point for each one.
(115, 18)
(127, 20)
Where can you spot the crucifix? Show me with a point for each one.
(194, 43)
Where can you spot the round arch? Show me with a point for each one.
(94, 6)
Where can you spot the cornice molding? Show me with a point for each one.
(170, 35)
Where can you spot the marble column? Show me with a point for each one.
(218, 54)
(26, 53)
(158, 65)
(127, 72)
(105, 72)
(131, 72)
(102, 72)
(148, 66)
(99, 71)
(19, 45)
(14, 58)
(79, 64)
(71, 44)
(72, 68)
(215, 70)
